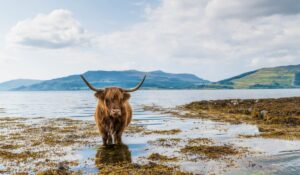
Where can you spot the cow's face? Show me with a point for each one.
(113, 99)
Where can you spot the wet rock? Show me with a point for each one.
(250, 110)
(264, 114)
(234, 102)
(62, 166)
(253, 165)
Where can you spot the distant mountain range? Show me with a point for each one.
(126, 79)
(12, 84)
(265, 78)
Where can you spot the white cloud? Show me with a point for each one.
(251, 9)
(57, 29)
(211, 38)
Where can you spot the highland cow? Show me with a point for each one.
(113, 112)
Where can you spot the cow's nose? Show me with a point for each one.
(115, 112)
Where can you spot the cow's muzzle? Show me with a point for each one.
(115, 112)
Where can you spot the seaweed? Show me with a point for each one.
(275, 118)
(211, 152)
(159, 157)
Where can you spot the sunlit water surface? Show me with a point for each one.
(280, 156)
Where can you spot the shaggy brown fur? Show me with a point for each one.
(113, 114)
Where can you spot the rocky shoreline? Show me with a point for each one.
(48, 146)
(275, 118)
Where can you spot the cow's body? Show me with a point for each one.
(110, 127)
(113, 112)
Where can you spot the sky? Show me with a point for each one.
(213, 39)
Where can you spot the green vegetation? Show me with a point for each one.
(271, 77)
(266, 78)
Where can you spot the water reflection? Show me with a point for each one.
(112, 154)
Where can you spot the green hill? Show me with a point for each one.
(266, 78)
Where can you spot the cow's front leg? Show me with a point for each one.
(118, 138)
(109, 140)
(105, 138)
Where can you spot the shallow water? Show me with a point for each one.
(272, 156)
(278, 156)
(82, 103)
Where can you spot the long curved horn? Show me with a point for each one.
(89, 85)
(137, 86)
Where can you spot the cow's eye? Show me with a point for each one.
(107, 101)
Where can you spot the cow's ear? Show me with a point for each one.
(99, 95)
(126, 96)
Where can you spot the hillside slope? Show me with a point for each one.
(277, 77)
(12, 84)
(126, 79)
